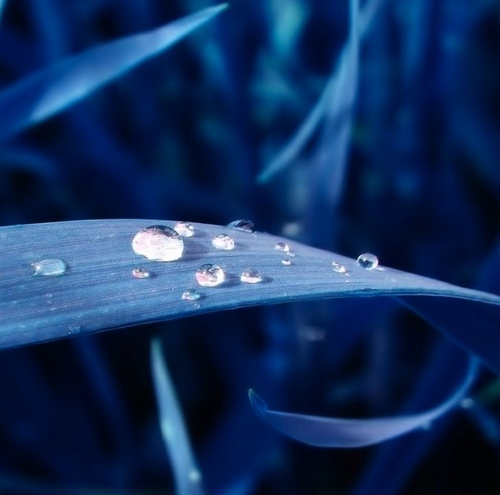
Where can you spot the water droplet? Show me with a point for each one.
(251, 276)
(74, 329)
(467, 403)
(243, 225)
(223, 241)
(210, 275)
(50, 267)
(184, 229)
(158, 243)
(286, 261)
(337, 267)
(141, 273)
(367, 261)
(282, 246)
(191, 295)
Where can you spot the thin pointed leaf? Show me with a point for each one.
(347, 433)
(339, 92)
(53, 89)
(98, 292)
(186, 473)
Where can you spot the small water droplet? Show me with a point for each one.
(158, 243)
(243, 225)
(282, 246)
(338, 268)
(191, 295)
(210, 275)
(467, 403)
(185, 229)
(49, 267)
(251, 276)
(286, 261)
(223, 241)
(74, 329)
(367, 261)
(141, 273)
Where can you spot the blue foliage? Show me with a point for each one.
(406, 166)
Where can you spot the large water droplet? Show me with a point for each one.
(223, 241)
(158, 243)
(338, 268)
(50, 267)
(210, 275)
(367, 261)
(184, 229)
(243, 225)
(141, 273)
(251, 276)
(191, 295)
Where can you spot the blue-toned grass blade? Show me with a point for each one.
(68, 278)
(338, 95)
(348, 433)
(51, 90)
(186, 473)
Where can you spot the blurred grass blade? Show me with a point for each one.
(53, 89)
(98, 292)
(347, 433)
(2, 6)
(186, 473)
(338, 95)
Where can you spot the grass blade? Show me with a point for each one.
(186, 473)
(53, 89)
(98, 292)
(347, 433)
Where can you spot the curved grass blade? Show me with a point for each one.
(347, 433)
(53, 89)
(337, 97)
(186, 473)
(96, 291)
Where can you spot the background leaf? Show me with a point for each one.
(55, 88)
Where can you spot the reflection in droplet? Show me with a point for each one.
(223, 241)
(367, 261)
(339, 268)
(158, 243)
(210, 275)
(243, 225)
(286, 261)
(185, 229)
(190, 295)
(251, 276)
(141, 273)
(49, 267)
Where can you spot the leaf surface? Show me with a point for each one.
(98, 292)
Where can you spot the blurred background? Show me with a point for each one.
(403, 162)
